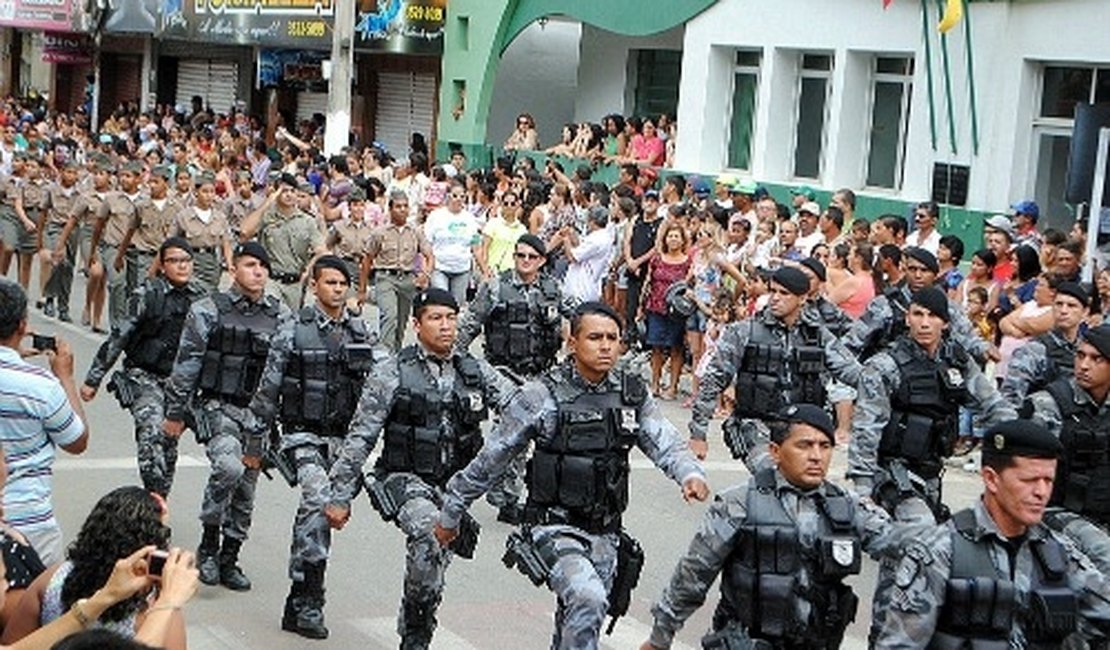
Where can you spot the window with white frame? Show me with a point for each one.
(1062, 87)
(745, 88)
(814, 85)
(891, 91)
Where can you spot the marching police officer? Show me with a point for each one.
(292, 235)
(782, 355)
(1051, 355)
(519, 311)
(429, 400)
(783, 545)
(994, 576)
(906, 420)
(1076, 409)
(149, 337)
(311, 383)
(885, 318)
(584, 417)
(219, 362)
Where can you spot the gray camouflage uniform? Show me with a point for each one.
(425, 561)
(310, 453)
(922, 574)
(877, 320)
(1092, 539)
(156, 452)
(881, 378)
(840, 365)
(715, 541)
(1030, 368)
(583, 574)
(229, 495)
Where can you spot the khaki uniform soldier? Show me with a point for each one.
(113, 219)
(82, 221)
(241, 203)
(30, 207)
(203, 223)
(401, 259)
(57, 273)
(350, 237)
(290, 236)
(10, 225)
(150, 226)
(148, 338)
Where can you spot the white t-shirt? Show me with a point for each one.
(806, 243)
(930, 243)
(451, 235)
(591, 260)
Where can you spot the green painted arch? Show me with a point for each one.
(626, 17)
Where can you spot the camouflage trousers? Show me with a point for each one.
(581, 580)
(229, 495)
(426, 564)
(912, 510)
(60, 283)
(155, 451)
(1092, 539)
(510, 488)
(311, 533)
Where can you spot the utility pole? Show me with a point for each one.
(338, 128)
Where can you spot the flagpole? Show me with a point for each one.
(929, 72)
(971, 79)
(948, 87)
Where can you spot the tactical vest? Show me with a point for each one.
(1083, 471)
(1060, 357)
(760, 583)
(893, 327)
(153, 346)
(833, 317)
(924, 420)
(417, 438)
(981, 606)
(524, 337)
(772, 377)
(237, 349)
(580, 476)
(322, 383)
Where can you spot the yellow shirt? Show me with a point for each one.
(502, 242)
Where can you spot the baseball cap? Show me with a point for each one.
(1028, 208)
(806, 191)
(744, 187)
(811, 207)
(1002, 223)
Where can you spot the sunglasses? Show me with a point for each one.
(458, 196)
(508, 204)
(528, 256)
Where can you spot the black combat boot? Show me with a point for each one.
(418, 623)
(289, 616)
(511, 513)
(207, 562)
(231, 576)
(308, 606)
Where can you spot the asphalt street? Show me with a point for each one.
(485, 605)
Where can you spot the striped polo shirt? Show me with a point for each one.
(35, 416)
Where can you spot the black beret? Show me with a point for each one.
(434, 296)
(923, 256)
(1020, 438)
(599, 308)
(815, 265)
(533, 242)
(331, 262)
(792, 279)
(1100, 338)
(255, 250)
(175, 242)
(814, 416)
(288, 179)
(934, 300)
(1075, 290)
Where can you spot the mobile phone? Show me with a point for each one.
(156, 561)
(43, 343)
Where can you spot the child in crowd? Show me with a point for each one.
(721, 313)
(435, 194)
(977, 299)
(757, 296)
(764, 244)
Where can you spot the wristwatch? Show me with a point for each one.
(78, 610)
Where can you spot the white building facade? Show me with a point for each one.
(837, 94)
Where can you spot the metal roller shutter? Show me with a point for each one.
(216, 81)
(406, 103)
(310, 103)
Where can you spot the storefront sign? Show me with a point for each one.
(292, 69)
(55, 15)
(401, 26)
(66, 48)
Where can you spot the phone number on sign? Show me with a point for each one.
(307, 28)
